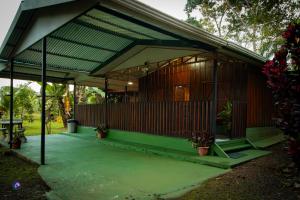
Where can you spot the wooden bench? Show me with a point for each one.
(5, 135)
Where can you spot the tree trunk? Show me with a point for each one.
(81, 97)
(63, 113)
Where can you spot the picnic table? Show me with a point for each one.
(5, 127)
(6, 123)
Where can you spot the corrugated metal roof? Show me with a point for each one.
(91, 36)
(104, 32)
(88, 41)
(66, 48)
(119, 22)
(115, 29)
(57, 62)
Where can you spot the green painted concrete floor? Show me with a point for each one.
(81, 167)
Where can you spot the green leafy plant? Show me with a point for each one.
(225, 116)
(16, 140)
(201, 140)
(101, 131)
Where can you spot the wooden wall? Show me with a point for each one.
(176, 100)
(197, 77)
(162, 85)
(178, 119)
(259, 100)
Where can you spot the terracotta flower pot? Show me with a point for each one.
(101, 135)
(17, 144)
(203, 151)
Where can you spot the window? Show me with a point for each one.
(182, 93)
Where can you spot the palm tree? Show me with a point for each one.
(55, 100)
(94, 95)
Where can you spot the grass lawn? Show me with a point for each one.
(34, 128)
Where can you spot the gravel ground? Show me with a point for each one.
(12, 170)
(268, 178)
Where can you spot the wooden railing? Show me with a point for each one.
(163, 118)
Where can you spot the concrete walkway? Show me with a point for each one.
(80, 167)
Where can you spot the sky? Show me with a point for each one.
(8, 9)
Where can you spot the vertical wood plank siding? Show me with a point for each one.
(239, 119)
(197, 76)
(159, 112)
(260, 105)
(177, 119)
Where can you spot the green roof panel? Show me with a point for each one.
(55, 61)
(113, 28)
(75, 50)
(130, 25)
(91, 36)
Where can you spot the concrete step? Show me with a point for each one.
(235, 145)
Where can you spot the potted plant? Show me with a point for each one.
(225, 117)
(101, 131)
(16, 141)
(202, 142)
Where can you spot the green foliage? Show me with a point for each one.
(4, 100)
(55, 102)
(94, 95)
(226, 116)
(253, 24)
(25, 101)
(89, 95)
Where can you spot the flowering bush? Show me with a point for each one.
(282, 74)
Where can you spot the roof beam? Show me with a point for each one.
(82, 44)
(169, 43)
(96, 28)
(34, 77)
(31, 65)
(65, 56)
(130, 46)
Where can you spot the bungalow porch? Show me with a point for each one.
(181, 75)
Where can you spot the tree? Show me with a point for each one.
(56, 102)
(24, 101)
(283, 77)
(89, 95)
(255, 24)
(80, 94)
(4, 100)
(94, 95)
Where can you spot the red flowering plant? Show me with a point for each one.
(282, 74)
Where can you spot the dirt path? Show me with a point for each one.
(14, 170)
(260, 179)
